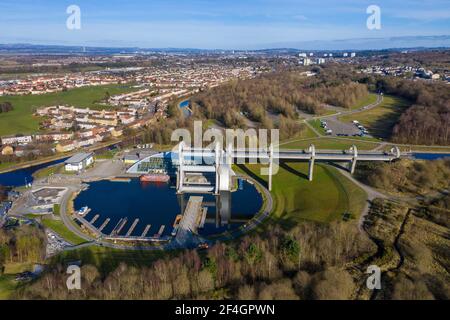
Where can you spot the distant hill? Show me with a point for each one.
(367, 43)
(359, 44)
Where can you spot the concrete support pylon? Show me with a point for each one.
(396, 151)
(217, 164)
(353, 149)
(230, 154)
(180, 177)
(270, 166)
(312, 151)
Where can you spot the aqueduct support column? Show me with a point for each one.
(355, 156)
(180, 177)
(396, 151)
(312, 151)
(270, 166)
(229, 153)
(217, 164)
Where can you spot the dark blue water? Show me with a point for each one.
(183, 106)
(21, 177)
(158, 204)
(430, 156)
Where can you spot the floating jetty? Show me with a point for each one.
(124, 222)
(147, 228)
(119, 226)
(160, 232)
(130, 231)
(94, 219)
(104, 224)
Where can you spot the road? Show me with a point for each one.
(371, 195)
(67, 220)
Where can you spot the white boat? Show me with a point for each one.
(83, 211)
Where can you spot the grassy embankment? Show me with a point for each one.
(380, 120)
(316, 125)
(324, 199)
(107, 155)
(8, 284)
(307, 133)
(21, 119)
(46, 172)
(59, 227)
(370, 99)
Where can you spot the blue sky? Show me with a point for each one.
(243, 24)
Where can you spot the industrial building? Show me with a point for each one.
(79, 162)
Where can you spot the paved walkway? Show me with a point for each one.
(371, 195)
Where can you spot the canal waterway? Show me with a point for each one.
(184, 105)
(430, 156)
(21, 177)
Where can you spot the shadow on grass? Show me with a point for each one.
(340, 165)
(253, 175)
(291, 170)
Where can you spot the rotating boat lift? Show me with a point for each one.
(221, 163)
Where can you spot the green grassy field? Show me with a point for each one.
(328, 143)
(371, 98)
(21, 119)
(324, 199)
(316, 125)
(381, 119)
(307, 133)
(107, 154)
(7, 286)
(59, 227)
(45, 172)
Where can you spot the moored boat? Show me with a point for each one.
(154, 178)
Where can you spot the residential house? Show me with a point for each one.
(7, 150)
(66, 146)
(17, 140)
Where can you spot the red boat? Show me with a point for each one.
(154, 178)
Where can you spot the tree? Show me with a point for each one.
(246, 292)
(332, 284)
(279, 290)
(6, 107)
(405, 289)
